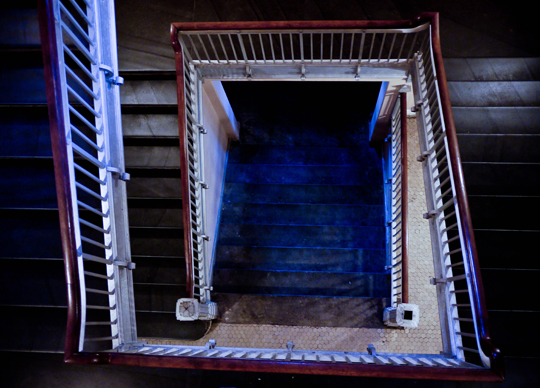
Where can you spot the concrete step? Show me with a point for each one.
(292, 214)
(494, 93)
(492, 69)
(303, 175)
(497, 120)
(365, 237)
(154, 183)
(156, 153)
(298, 193)
(158, 297)
(300, 259)
(136, 122)
(300, 310)
(164, 325)
(160, 269)
(19, 27)
(301, 283)
(148, 92)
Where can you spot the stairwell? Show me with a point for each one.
(503, 195)
(301, 236)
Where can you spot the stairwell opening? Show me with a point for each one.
(301, 238)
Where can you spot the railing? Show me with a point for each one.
(458, 277)
(86, 133)
(314, 49)
(398, 203)
(87, 146)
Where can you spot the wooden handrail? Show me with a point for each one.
(61, 173)
(469, 245)
(404, 203)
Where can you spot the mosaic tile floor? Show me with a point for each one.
(425, 339)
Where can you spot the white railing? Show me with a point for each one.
(83, 95)
(284, 53)
(194, 166)
(453, 275)
(397, 216)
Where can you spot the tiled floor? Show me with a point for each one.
(426, 339)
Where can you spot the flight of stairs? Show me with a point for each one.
(496, 105)
(301, 237)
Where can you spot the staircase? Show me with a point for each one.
(496, 105)
(301, 238)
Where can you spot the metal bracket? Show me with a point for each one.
(417, 107)
(211, 344)
(290, 346)
(201, 129)
(371, 350)
(430, 214)
(435, 281)
(122, 175)
(303, 76)
(127, 264)
(205, 237)
(248, 73)
(423, 157)
(357, 75)
(110, 77)
(203, 185)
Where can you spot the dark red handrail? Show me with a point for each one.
(61, 173)
(469, 245)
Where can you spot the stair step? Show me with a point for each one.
(27, 182)
(160, 269)
(301, 283)
(152, 156)
(367, 237)
(19, 27)
(154, 212)
(18, 231)
(507, 249)
(154, 187)
(40, 282)
(296, 194)
(501, 93)
(497, 120)
(499, 148)
(492, 69)
(502, 178)
(516, 283)
(300, 259)
(25, 131)
(265, 154)
(22, 80)
(158, 297)
(313, 175)
(491, 212)
(507, 330)
(146, 124)
(148, 92)
(300, 311)
(19, 330)
(156, 241)
(302, 214)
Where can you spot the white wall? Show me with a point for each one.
(221, 125)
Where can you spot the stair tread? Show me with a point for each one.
(302, 214)
(492, 69)
(303, 236)
(494, 93)
(300, 311)
(308, 259)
